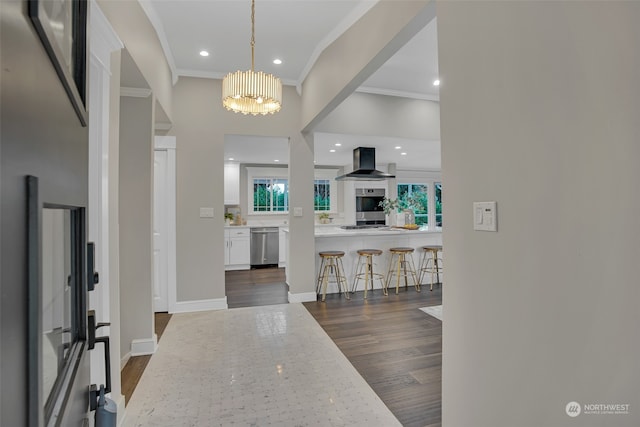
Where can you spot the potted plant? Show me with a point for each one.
(324, 218)
(389, 205)
(390, 208)
(228, 217)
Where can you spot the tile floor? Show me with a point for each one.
(257, 366)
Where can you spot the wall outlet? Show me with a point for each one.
(297, 211)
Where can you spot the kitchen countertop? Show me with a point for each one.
(336, 231)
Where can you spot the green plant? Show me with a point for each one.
(323, 215)
(228, 216)
(388, 205)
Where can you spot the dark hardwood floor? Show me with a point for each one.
(260, 286)
(132, 371)
(394, 346)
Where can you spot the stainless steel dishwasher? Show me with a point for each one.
(264, 246)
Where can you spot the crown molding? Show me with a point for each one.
(398, 93)
(135, 92)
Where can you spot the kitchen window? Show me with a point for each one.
(269, 190)
(270, 195)
(422, 192)
(438, 197)
(416, 197)
(321, 195)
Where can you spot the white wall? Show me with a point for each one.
(380, 115)
(539, 111)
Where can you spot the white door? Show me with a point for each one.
(160, 259)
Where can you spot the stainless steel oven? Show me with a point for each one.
(368, 209)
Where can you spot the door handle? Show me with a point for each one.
(92, 340)
(92, 276)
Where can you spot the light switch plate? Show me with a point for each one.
(297, 211)
(206, 212)
(485, 216)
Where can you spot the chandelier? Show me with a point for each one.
(248, 92)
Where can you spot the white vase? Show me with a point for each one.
(390, 219)
(400, 219)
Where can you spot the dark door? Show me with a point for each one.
(43, 323)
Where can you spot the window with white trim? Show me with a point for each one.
(269, 190)
(270, 195)
(422, 192)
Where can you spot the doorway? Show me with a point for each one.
(256, 200)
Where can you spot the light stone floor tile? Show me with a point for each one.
(257, 366)
(434, 310)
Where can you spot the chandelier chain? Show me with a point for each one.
(253, 31)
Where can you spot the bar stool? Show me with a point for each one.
(401, 264)
(430, 263)
(331, 268)
(364, 270)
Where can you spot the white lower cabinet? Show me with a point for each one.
(237, 248)
(282, 248)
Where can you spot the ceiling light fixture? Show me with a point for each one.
(436, 82)
(338, 144)
(204, 53)
(248, 92)
(332, 151)
(277, 61)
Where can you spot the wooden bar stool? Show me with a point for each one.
(401, 264)
(430, 263)
(331, 268)
(365, 271)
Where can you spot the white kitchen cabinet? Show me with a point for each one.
(282, 248)
(237, 248)
(231, 184)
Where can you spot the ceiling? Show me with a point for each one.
(295, 31)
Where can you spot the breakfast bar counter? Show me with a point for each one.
(335, 238)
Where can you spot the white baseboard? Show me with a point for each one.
(120, 408)
(201, 305)
(302, 297)
(237, 267)
(144, 346)
(124, 360)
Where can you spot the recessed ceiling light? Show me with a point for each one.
(332, 151)
(436, 82)
(276, 160)
(338, 144)
(231, 158)
(204, 53)
(403, 154)
(277, 61)
(398, 147)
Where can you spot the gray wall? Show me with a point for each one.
(141, 41)
(40, 135)
(136, 220)
(539, 111)
(199, 124)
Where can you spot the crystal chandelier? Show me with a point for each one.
(248, 92)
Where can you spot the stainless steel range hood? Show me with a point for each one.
(364, 167)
